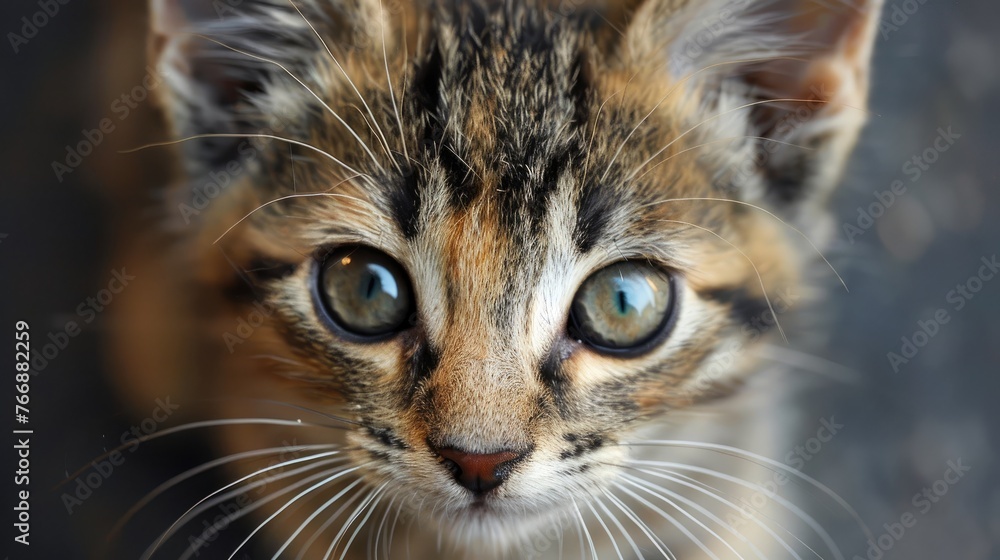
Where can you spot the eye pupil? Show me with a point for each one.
(622, 307)
(372, 283)
(622, 302)
(364, 292)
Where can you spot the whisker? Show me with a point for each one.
(314, 515)
(760, 278)
(805, 517)
(215, 498)
(329, 521)
(809, 362)
(350, 521)
(200, 469)
(392, 533)
(329, 109)
(298, 496)
(381, 526)
(248, 135)
(289, 197)
(723, 113)
(654, 490)
(621, 529)
(385, 143)
(614, 542)
(292, 406)
(392, 95)
(593, 134)
(784, 469)
(717, 141)
(671, 519)
(717, 495)
(673, 89)
(657, 542)
(377, 498)
(191, 426)
(769, 213)
(586, 531)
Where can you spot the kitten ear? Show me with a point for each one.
(220, 60)
(742, 51)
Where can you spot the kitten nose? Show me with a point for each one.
(479, 472)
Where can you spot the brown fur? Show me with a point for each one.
(530, 150)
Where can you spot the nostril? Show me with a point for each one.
(452, 467)
(478, 472)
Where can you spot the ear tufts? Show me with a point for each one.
(736, 52)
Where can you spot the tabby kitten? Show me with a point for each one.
(490, 277)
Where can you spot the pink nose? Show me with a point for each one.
(479, 472)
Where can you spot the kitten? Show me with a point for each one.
(491, 277)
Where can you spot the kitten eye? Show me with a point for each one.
(365, 292)
(623, 307)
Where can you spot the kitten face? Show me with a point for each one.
(524, 199)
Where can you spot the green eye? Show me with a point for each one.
(623, 307)
(365, 292)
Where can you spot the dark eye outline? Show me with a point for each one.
(325, 311)
(661, 333)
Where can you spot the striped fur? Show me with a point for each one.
(501, 152)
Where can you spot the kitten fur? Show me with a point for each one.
(501, 152)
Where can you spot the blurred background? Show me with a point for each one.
(915, 344)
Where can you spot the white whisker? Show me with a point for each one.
(289, 197)
(668, 497)
(785, 469)
(670, 519)
(621, 529)
(329, 521)
(392, 95)
(215, 498)
(611, 537)
(713, 117)
(385, 143)
(717, 495)
(329, 109)
(314, 515)
(583, 527)
(769, 213)
(798, 512)
(298, 496)
(376, 499)
(672, 90)
(661, 547)
(248, 135)
(350, 521)
(204, 467)
(760, 278)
